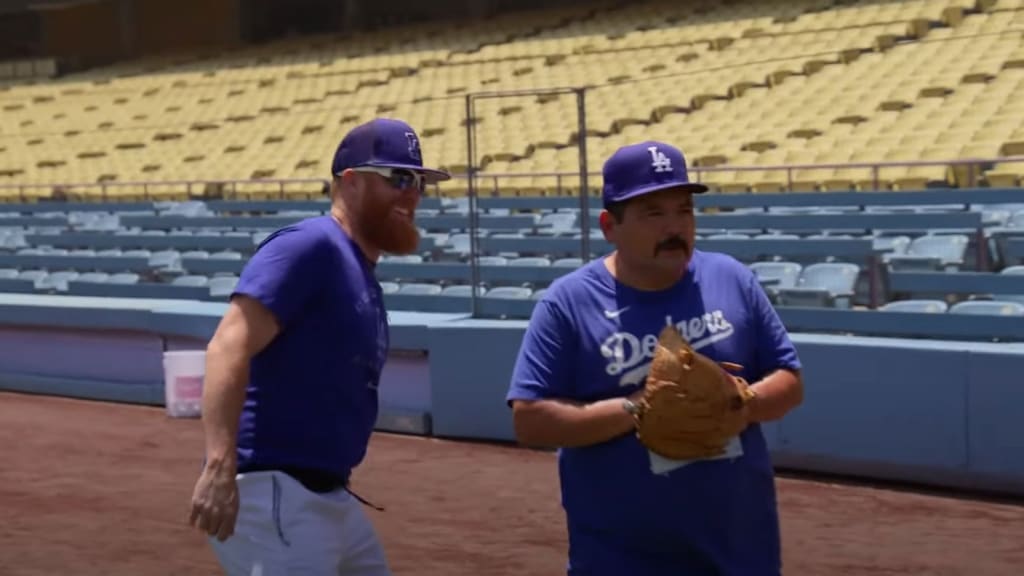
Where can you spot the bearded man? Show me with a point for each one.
(290, 392)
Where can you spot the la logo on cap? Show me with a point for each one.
(659, 161)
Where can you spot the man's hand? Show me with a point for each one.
(215, 501)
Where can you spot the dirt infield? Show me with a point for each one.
(90, 489)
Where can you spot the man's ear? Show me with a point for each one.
(347, 176)
(607, 223)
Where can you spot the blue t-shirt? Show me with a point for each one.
(592, 338)
(311, 401)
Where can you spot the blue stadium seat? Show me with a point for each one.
(510, 292)
(123, 278)
(923, 306)
(34, 276)
(419, 288)
(226, 255)
(458, 243)
(414, 258)
(530, 261)
(1016, 220)
(776, 275)
(389, 287)
(891, 245)
(491, 261)
(825, 284)
(932, 252)
(988, 308)
(573, 262)
(57, 281)
(557, 222)
(93, 277)
(995, 216)
(222, 286)
(191, 280)
(462, 290)
(165, 259)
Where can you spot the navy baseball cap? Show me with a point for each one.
(646, 167)
(383, 143)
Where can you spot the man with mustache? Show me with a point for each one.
(581, 368)
(290, 394)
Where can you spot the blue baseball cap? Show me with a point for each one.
(383, 143)
(646, 167)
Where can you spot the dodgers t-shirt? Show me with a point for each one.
(592, 338)
(311, 401)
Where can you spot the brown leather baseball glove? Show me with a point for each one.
(691, 406)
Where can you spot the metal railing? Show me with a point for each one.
(873, 171)
(487, 183)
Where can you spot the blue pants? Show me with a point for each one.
(604, 554)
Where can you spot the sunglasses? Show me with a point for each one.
(400, 178)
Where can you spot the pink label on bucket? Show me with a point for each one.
(189, 387)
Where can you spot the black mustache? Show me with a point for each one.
(673, 243)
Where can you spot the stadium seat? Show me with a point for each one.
(776, 275)
(825, 284)
(530, 261)
(57, 281)
(512, 292)
(402, 258)
(932, 252)
(418, 288)
(222, 286)
(988, 308)
(568, 262)
(922, 306)
(462, 290)
(94, 277)
(191, 280)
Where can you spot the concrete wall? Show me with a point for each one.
(941, 413)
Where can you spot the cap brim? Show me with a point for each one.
(433, 176)
(691, 187)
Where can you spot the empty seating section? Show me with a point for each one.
(809, 251)
(757, 85)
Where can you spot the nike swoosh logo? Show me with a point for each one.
(613, 314)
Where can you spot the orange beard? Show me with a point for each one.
(388, 231)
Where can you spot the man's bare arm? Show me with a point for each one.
(777, 394)
(565, 423)
(246, 328)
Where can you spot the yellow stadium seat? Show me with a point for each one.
(741, 84)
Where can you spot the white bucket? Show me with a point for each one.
(183, 382)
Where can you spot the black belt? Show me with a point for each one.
(316, 481)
